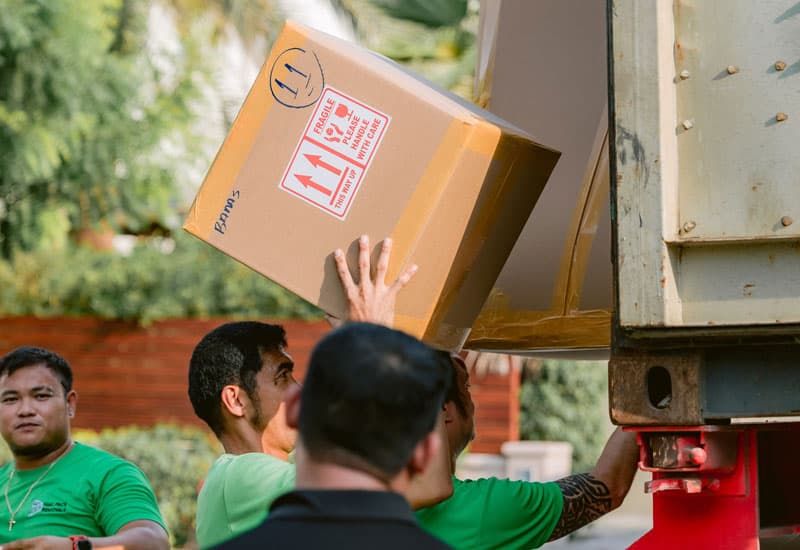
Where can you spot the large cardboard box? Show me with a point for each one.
(334, 141)
(542, 66)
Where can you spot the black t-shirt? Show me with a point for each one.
(338, 519)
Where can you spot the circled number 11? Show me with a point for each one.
(291, 69)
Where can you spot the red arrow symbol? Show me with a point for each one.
(317, 161)
(308, 182)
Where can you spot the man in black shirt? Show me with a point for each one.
(365, 416)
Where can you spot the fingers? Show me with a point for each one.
(404, 278)
(344, 271)
(364, 262)
(334, 322)
(383, 261)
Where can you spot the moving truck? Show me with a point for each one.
(668, 238)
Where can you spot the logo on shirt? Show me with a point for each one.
(36, 507)
(39, 506)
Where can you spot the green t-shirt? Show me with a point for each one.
(88, 492)
(237, 494)
(495, 513)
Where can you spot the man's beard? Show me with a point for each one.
(33, 451)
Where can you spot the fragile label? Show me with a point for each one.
(335, 152)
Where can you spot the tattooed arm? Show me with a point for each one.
(589, 496)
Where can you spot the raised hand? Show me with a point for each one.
(371, 300)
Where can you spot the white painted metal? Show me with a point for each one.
(707, 120)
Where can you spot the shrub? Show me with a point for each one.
(160, 279)
(565, 401)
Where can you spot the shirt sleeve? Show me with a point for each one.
(124, 496)
(518, 514)
(252, 483)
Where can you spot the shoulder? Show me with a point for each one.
(254, 464)
(97, 460)
(501, 488)
(503, 513)
(249, 476)
(103, 467)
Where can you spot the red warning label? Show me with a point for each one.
(334, 152)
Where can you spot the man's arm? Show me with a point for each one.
(371, 299)
(136, 535)
(589, 496)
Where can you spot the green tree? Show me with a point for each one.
(565, 401)
(156, 281)
(435, 38)
(84, 115)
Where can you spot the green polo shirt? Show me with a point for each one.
(237, 494)
(87, 492)
(495, 513)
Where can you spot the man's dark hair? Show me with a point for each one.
(229, 354)
(370, 395)
(454, 394)
(29, 356)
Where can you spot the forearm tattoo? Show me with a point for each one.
(586, 498)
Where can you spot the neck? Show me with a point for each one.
(22, 462)
(325, 475)
(239, 442)
(277, 453)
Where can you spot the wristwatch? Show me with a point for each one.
(80, 542)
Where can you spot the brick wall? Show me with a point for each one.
(126, 374)
(496, 398)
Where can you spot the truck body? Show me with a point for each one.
(703, 177)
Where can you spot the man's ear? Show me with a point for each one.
(72, 402)
(292, 399)
(424, 453)
(234, 399)
(450, 411)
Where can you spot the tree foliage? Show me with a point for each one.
(565, 401)
(154, 282)
(436, 38)
(84, 116)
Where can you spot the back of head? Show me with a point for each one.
(29, 356)
(231, 354)
(370, 395)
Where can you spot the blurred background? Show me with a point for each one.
(111, 111)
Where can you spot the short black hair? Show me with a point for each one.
(229, 354)
(370, 395)
(29, 356)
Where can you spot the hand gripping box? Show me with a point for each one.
(334, 141)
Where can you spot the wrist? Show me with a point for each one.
(80, 542)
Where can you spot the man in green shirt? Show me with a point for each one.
(503, 514)
(60, 494)
(238, 376)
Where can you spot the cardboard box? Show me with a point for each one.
(542, 66)
(334, 141)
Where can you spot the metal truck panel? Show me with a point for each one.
(706, 123)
